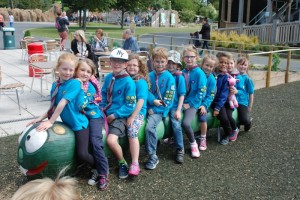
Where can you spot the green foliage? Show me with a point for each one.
(209, 11)
(276, 62)
(27, 33)
(187, 15)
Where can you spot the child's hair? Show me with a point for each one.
(89, 62)
(99, 30)
(160, 52)
(81, 35)
(142, 66)
(241, 60)
(190, 48)
(66, 57)
(46, 189)
(224, 54)
(211, 57)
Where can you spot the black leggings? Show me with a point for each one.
(82, 146)
(243, 115)
(226, 120)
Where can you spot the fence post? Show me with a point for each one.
(171, 43)
(288, 61)
(153, 39)
(111, 45)
(138, 37)
(213, 45)
(150, 49)
(269, 69)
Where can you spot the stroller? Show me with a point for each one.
(195, 39)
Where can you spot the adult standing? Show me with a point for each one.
(205, 31)
(61, 25)
(11, 20)
(1, 21)
(130, 42)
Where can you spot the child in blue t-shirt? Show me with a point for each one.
(245, 94)
(67, 100)
(174, 64)
(118, 102)
(160, 101)
(85, 72)
(208, 64)
(196, 89)
(139, 73)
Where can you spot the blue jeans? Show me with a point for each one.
(97, 144)
(177, 130)
(151, 138)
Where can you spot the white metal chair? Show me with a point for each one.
(40, 71)
(104, 67)
(52, 47)
(8, 88)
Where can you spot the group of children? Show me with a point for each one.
(130, 93)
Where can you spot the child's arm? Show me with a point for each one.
(40, 118)
(210, 94)
(47, 124)
(179, 107)
(251, 99)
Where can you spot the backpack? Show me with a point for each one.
(57, 24)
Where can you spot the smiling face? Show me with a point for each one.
(208, 66)
(230, 67)
(159, 64)
(66, 70)
(172, 67)
(84, 72)
(132, 67)
(242, 67)
(117, 65)
(190, 59)
(223, 64)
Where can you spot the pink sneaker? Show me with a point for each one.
(233, 136)
(203, 146)
(134, 169)
(194, 150)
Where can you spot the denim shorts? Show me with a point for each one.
(202, 118)
(118, 127)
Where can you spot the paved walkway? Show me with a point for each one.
(32, 104)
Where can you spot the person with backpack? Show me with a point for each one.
(61, 26)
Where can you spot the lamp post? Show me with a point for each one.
(170, 5)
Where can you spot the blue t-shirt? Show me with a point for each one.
(72, 92)
(210, 91)
(180, 89)
(123, 96)
(166, 84)
(142, 93)
(245, 87)
(197, 87)
(92, 110)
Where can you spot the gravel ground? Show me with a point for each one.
(262, 164)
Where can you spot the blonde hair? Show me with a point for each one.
(81, 35)
(160, 52)
(100, 31)
(89, 62)
(191, 48)
(142, 66)
(66, 57)
(211, 57)
(61, 188)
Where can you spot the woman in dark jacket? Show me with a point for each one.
(61, 25)
(205, 31)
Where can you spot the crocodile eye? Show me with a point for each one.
(35, 140)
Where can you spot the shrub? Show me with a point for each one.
(27, 33)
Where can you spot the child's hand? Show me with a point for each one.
(150, 112)
(177, 115)
(33, 122)
(110, 118)
(233, 90)
(249, 109)
(44, 126)
(216, 113)
(157, 102)
(186, 106)
(203, 110)
(130, 121)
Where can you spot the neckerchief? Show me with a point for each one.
(52, 107)
(122, 74)
(186, 75)
(157, 87)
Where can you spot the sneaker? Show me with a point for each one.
(134, 169)
(202, 146)
(123, 171)
(103, 182)
(194, 150)
(234, 135)
(179, 156)
(168, 140)
(152, 162)
(248, 127)
(94, 178)
(224, 141)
